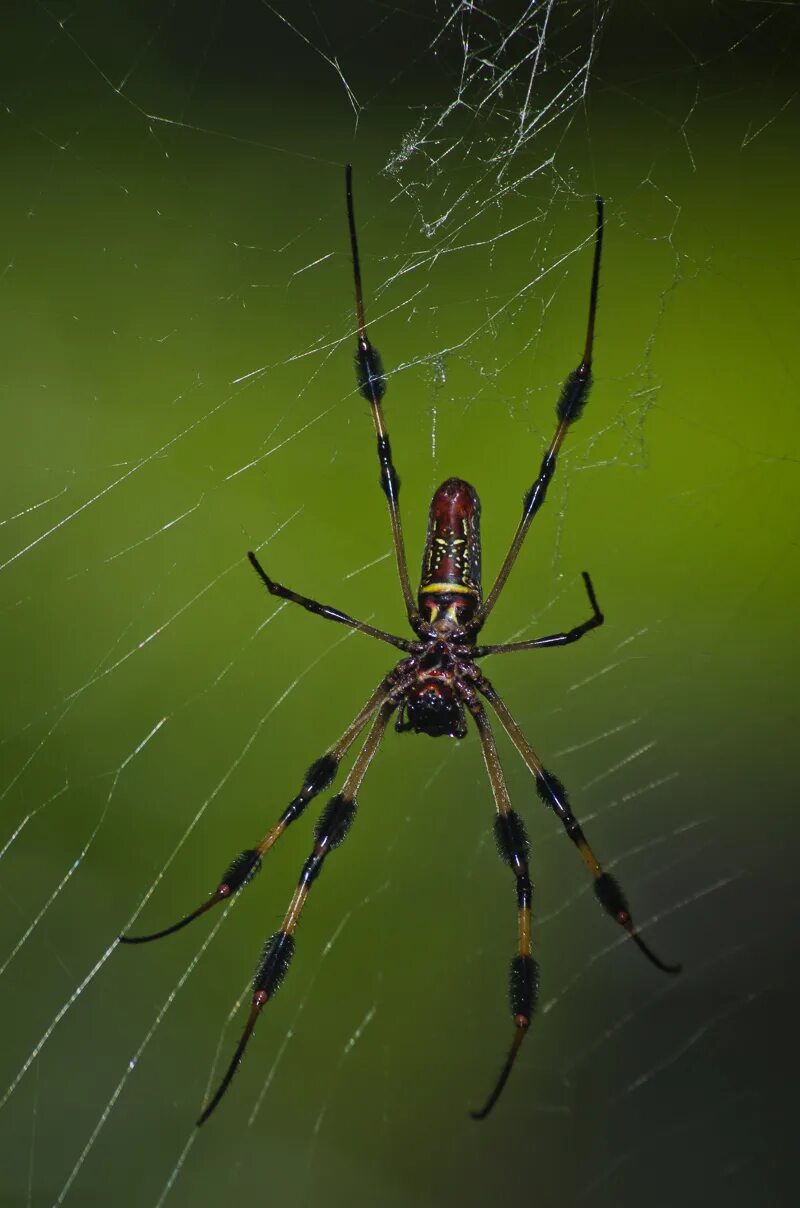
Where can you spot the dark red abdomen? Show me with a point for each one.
(450, 583)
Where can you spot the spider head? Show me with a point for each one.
(431, 706)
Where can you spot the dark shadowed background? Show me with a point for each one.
(177, 387)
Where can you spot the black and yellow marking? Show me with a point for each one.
(569, 408)
(457, 589)
(451, 600)
(513, 847)
(279, 948)
(270, 972)
(245, 866)
(450, 578)
(371, 381)
(331, 829)
(552, 793)
(323, 770)
(445, 546)
(452, 553)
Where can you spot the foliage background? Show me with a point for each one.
(177, 308)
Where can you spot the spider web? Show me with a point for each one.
(178, 388)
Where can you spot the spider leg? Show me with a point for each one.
(248, 862)
(324, 610)
(553, 793)
(572, 400)
(553, 639)
(372, 384)
(330, 831)
(513, 846)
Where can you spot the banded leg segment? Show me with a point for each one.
(574, 394)
(513, 847)
(247, 863)
(372, 385)
(552, 793)
(324, 610)
(565, 638)
(331, 829)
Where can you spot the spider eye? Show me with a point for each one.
(433, 708)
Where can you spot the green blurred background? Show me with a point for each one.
(177, 387)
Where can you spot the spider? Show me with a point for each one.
(432, 689)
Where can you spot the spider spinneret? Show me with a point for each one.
(432, 689)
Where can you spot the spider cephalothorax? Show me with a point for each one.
(432, 689)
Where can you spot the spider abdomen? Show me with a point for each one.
(450, 582)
